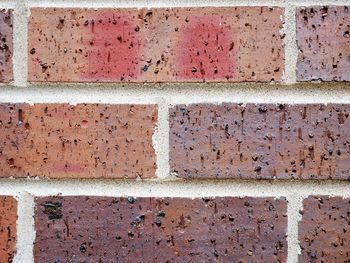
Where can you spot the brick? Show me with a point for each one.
(261, 141)
(324, 230)
(6, 45)
(8, 218)
(324, 43)
(106, 229)
(82, 141)
(233, 44)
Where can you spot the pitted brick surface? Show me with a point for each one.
(156, 45)
(324, 230)
(83, 44)
(101, 229)
(8, 218)
(216, 44)
(265, 141)
(82, 141)
(323, 36)
(6, 45)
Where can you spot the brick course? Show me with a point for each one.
(82, 141)
(233, 44)
(261, 141)
(225, 229)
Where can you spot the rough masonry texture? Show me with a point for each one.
(310, 141)
(156, 45)
(226, 229)
(323, 37)
(71, 167)
(82, 141)
(8, 218)
(324, 230)
(6, 45)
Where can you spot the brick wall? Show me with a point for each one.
(174, 131)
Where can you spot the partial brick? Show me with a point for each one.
(232, 44)
(324, 230)
(323, 36)
(105, 229)
(82, 141)
(8, 219)
(263, 141)
(6, 45)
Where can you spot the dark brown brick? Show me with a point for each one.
(260, 141)
(323, 36)
(101, 229)
(8, 219)
(324, 230)
(82, 141)
(6, 45)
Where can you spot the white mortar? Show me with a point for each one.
(25, 226)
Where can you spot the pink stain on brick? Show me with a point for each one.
(206, 50)
(68, 168)
(112, 41)
(232, 44)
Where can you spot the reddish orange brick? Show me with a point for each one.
(8, 219)
(233, 44)
(263, 141)
(323, 36)
(106, 229)
(6, 45)
(83, 141)
(324, 230)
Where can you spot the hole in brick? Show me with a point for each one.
(84, 124)
(11, 162)
(20, 116)
(53, 210)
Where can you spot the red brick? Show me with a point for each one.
(8, 219)
(6, 45)
(156, 45)
(324, 43)
(83, 141)
(324, 230)
(262, 141)
(101, 229)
